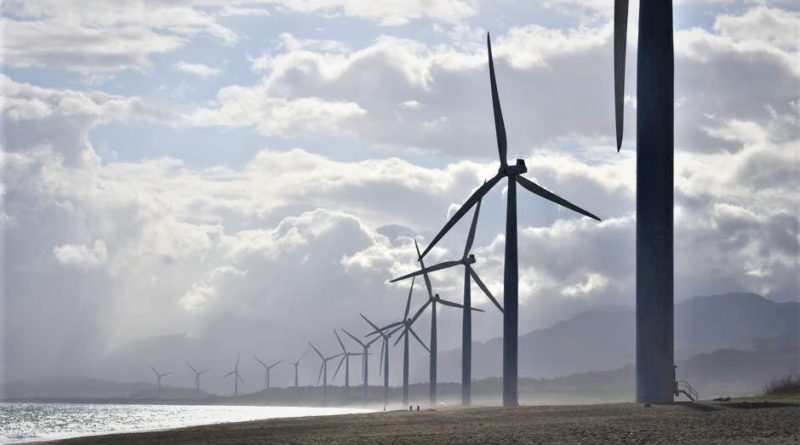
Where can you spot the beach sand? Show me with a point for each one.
(624, 423)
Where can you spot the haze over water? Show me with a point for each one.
(26, 422)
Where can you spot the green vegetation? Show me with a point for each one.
(786, 387)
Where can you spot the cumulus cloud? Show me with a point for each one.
(81, 255)
(100, 36)
(196, 69)
(120, 250)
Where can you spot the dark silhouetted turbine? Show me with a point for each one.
(513, 173)
(655, 353)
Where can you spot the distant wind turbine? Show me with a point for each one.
(510, 277)
(197, 375)
(237, 378)
(323, 372)
(384, 355)
(467, 260)
(159, 376)
(405, 326)
(346, 361)
(364, 360)
(267, 369)
(295, 364)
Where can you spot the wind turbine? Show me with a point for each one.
(295, 364)
(346, 360)
(405, 326)
(364, 360)
(384, 355)
(159, 376)
(655, 349)
(237, 377)
(267, 369)
(510, 276)
(197, 375)
(466, 322)
(323, 372)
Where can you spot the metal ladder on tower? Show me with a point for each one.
(685, 388)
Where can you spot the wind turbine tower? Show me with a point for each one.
(466, 328)
(655, 349)
(346, 361)
(323, 372)
(513, 174)
(159, 376)
(197, 375)
(384, 355)
(237, 378)
(364, 360)
(267, 369)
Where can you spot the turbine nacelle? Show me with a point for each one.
(516, 169)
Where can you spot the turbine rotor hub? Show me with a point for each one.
(516, 169)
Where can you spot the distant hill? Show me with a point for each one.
(71, 387)
(598, 340)
(87, 388)
(725, 344)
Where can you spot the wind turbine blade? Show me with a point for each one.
(418, 339)
(154, 370)
(339, 367)
(319, 376)
(190, 367)
(317, 351)
(339, 340)
(471, 201)
(259, 361)
(275, 364)
(408, 300)
(400, 337)
(380, 365)
(353, 337)
(226, 375)
(381, 330)
(402, 325)
(166, 374)
(205, 370)
(419, 311)
(483, 287)
(374, 326)
(471, 236)
(301, 357)
(498, 113)
(450, 303)
(427, 270)
(546, 194)
(240, 378)
(369, 343)
(424, 275)
(620, 44)
(237, 361)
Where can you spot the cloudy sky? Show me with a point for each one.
(170, 167)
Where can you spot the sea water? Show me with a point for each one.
(26, 422)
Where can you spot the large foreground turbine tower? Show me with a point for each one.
(655, 350)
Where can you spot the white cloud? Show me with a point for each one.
(81, 255)
(100, 36)
(168, 246)
(196, 69)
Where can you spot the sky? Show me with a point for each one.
(179, 167)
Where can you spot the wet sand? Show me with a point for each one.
(624, 423)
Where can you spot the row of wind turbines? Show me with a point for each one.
(654, 207)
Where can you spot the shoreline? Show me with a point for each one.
(703, 422)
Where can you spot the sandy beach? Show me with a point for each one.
(692, 423)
